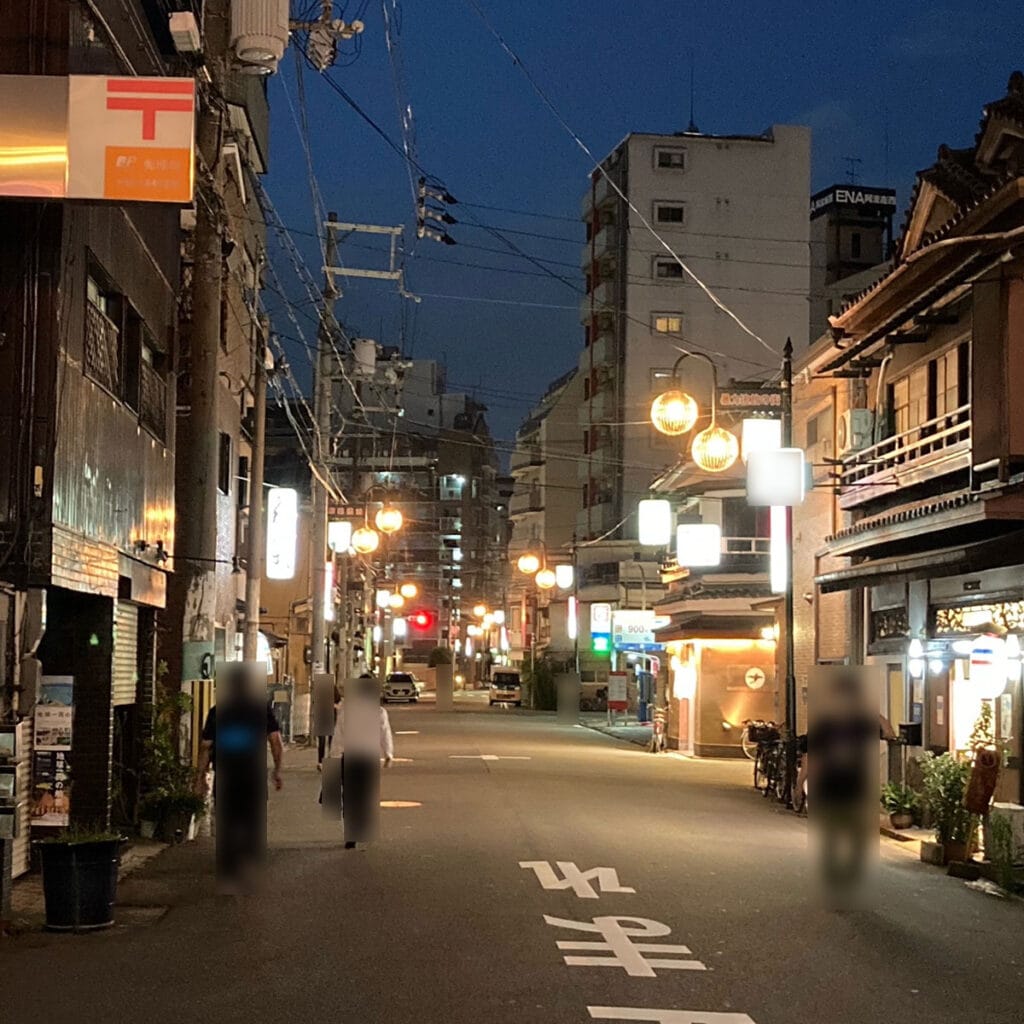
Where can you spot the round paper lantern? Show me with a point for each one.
(408, 591)
(365, 540)
(674, 412)
(545, 579)
(715, 449)
(528, 564)
(388, 520)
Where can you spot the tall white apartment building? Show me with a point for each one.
(735, 209)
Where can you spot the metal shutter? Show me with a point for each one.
(126, 654)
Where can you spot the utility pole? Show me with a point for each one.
(196, 489)
(321, 449)
(787, 442)
(257, 537)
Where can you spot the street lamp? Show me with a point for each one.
(528, 564)
(365, 540)
(480, 610)
(545, 579)
(674, 412)
(408, 590)
(388, 519)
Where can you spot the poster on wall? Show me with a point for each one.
(51, 755)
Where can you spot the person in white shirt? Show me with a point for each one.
(362, 737)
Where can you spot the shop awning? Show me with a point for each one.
(953, 561)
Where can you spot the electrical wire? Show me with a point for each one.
(596, 165)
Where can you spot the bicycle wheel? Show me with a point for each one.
(768, 768)
(748, 745)
(758, 770)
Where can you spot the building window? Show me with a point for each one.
(668, 323)
(224, 465)
(948, 383)
(670, 159)
(668, 213)
(667, 270)
(103, 335)
(910, 400)
(855, 245)
(243, 482)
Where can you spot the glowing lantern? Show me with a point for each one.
(388, 520)
(408, 590)
(480, 610)
(545, 579)
(715, 449)
(365, 540)
(396, 601)
(674, 412)
(528, 564)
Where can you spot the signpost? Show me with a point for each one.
(618, 699)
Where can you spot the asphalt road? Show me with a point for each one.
(438, 922)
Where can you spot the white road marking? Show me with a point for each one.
(618, 933)
(407, 732)
(573, 878)
(667, 1016)
(488, 757)
(400, 803)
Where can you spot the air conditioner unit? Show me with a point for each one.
(185, 32)
(856, 431)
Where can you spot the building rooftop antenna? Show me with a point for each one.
(853, 168)
(692, 128)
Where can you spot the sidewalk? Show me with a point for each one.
(629, 729)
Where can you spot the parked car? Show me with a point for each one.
(400, 686)
(506, 688)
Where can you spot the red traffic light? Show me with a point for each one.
(421, 620)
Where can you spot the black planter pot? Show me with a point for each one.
(80, 884)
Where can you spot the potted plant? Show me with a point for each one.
(169, 801)
(80, 879)
(945, 784)
(181, 809)
(900, 802)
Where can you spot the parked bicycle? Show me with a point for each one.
(756, 741)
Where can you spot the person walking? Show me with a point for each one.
(325, 700)
(362, 737)
(236, 734)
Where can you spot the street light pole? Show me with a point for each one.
(790, 685)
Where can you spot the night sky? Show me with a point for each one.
(885, 83)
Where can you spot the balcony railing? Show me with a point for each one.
(526, 455)
(529, 501)
(938, 446)
(102, 351)
(153, 404)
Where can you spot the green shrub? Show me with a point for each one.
(945, 784)
(899, 799)
(439, 656)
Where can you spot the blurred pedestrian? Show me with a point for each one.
(235, 737)
(362, 737)
(325, 699)
(842, 770)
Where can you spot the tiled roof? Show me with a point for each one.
(903, 515)
(711, 591)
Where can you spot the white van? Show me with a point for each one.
(506, 687)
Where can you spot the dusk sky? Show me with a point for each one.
(884, 83)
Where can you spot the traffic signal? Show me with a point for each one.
(421, 620)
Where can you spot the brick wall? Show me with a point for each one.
(78, 563)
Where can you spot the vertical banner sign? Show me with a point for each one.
(51, 758)
(131, 139)
(282, 532)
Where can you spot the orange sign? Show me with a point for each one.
(131, 139)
